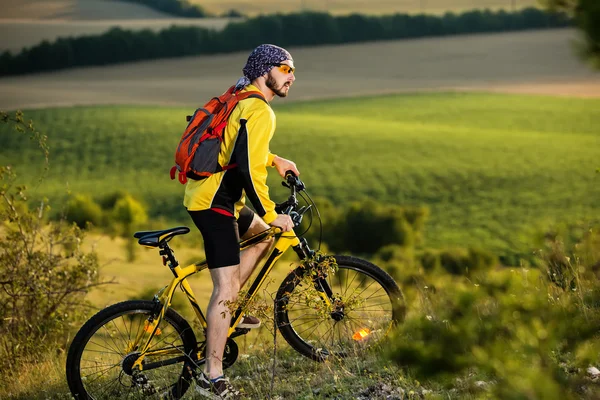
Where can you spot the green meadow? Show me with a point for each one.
(493, 169)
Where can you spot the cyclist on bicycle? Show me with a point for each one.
(217, 203)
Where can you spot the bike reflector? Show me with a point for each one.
(148, 328)
(361, 334)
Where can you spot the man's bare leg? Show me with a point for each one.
(227, 282)
(226, 285)
(250, 257)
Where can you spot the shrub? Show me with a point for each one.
(44, 273)
(455, 261)
(329, 217)
(108, 201)
(394, 252)
(397, 261)
(569, 254)
(129, 212)
(82, 210)
(460, 261)
(529, 337)
(365, 227)
(480, 259)
(430, 260)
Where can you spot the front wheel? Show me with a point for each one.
(100, 362)
(363, 304)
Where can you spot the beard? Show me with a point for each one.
(272, 84)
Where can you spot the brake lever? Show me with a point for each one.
(304, 209)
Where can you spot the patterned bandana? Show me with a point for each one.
(260, 62)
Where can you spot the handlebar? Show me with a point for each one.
(293, 181)
(290, 206)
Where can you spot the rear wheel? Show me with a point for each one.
(365, 304)
(101, 357)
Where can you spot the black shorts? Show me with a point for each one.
(221, 234)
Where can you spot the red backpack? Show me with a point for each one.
(197, 155)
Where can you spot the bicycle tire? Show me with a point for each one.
(361, 318)
(98, 351)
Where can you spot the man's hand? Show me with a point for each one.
(284, 222)
(284, 165)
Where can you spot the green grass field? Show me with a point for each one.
(492, 168)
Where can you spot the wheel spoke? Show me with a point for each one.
(102, 373)
(108, 386)
(116, 348)
(302, 318)
(103, 370)
(362, 300)
(99, 365)
(307, 329)
(110, 349)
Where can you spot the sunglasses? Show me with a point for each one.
(286, 69)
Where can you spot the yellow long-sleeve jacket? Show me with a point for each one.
(249, 130)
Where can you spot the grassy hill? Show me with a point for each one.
(491, 168)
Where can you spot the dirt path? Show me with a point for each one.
(541, 62)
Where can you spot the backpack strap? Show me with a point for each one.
(256, 95)
(251, 95)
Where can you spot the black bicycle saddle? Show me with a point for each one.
(155, 238)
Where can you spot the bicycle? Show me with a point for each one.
(146, 348)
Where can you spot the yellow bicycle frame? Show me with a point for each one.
(282, 243)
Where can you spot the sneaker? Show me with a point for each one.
(216, 389)
(248, 322)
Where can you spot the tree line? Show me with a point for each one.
(299, 29)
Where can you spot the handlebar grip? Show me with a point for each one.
(289, 174)
(293, 180)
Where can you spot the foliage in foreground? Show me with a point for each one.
(506, 334)
(532, 332)
(44, 273)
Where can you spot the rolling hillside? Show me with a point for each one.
(525, 62)
(491, 168)
(74, 10)
(26, 23)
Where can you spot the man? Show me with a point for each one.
(217, 203)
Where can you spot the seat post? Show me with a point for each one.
(167, 252)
